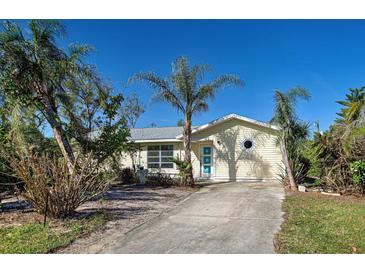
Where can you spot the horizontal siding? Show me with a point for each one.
(230, 162)
(264, 162)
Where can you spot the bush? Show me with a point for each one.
(127, 176)
(358, 174)
(160, 179)
(48, 178)
(184, 169)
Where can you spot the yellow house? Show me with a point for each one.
(231, 148)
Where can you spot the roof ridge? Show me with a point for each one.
(162, 127)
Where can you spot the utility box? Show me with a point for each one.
(142, 174)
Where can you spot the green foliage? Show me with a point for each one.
(183, 167)
(184, 91)
(358, 174)
(308, 151)
(337, 149)
(293, 131)
(160, 180)
(59, 89)
(319, 224)
(127, 176)
(352, 105)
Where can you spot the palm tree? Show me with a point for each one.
(185, 92)
(34, 71)
(354, 107)
(292, 129)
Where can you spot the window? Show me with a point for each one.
(160, 156)
(247, 145)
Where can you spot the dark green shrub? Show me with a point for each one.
(127, 176)
(160, 179)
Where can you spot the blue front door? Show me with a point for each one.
(206, 161)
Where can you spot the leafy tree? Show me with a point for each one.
(133, 109)
(96, 117)
(292, 129)
(34, 70)
(68, 93)
(184, 91)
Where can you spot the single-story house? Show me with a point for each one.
(231, 148)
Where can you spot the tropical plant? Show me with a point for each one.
(64, 90)
(358, 174)
(184, 91)
(34, 71)
(354, 107)
(183, 167)
(293, 130)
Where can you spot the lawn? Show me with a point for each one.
(32, 237)
(315, 223)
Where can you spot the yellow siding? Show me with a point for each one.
(264, 162)
(141, 158)
(230, 162)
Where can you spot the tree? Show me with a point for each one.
(66, 91)
(354, 107)
(95, 116)
(184, 91)
(133, 109)
(292, 129)
(35, 71)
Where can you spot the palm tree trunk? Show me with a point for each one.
(59, 135)
(289, 171)
(187, 148)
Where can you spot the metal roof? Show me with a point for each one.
(156, 133)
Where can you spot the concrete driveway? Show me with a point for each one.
(235, 217)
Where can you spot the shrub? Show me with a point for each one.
(48, 178)
(160, 179)
(357, 169)
(127, 176)
(184, 169)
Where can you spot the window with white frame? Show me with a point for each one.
(160, 156)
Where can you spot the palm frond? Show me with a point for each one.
(226, 80)
(297, 92)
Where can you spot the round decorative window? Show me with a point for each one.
(247, 145)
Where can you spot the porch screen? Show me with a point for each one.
(159, 156)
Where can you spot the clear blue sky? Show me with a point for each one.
(325, 56)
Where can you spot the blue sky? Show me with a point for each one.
(325, 56)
